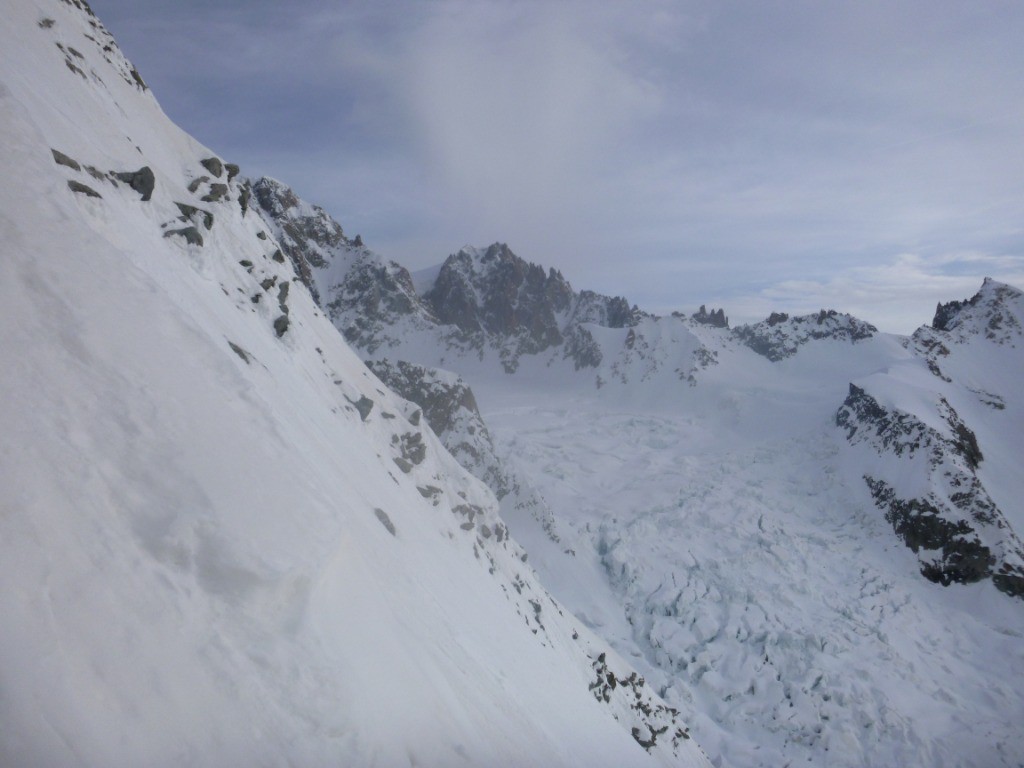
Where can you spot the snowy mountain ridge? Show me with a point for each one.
(951, 521)
(224, 540)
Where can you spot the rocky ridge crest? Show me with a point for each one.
(954, 526)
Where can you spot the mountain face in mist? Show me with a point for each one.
(224, 540)
(866, 478)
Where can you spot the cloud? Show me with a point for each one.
(897, 296)
(514, 113)
(670, 150)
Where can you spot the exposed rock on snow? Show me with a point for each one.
(216, 193)
(306, 233)
(142, 181)
(213, 165)
(191, 235)
(954, 526)
(497, 294)
(451, 411)
(501, 302)
(715, 318)
(780, 336)
(85, 189)
(986, 313)
(190, 213)
(61, 159)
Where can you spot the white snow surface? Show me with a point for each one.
(208, 555)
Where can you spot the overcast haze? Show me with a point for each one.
(756, 155)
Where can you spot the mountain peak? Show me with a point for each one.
(994, 312)
(780, 336)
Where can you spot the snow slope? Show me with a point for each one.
(222, 540)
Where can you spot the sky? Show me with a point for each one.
(759, 156)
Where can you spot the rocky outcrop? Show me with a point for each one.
(83, 189)
(191, 213)
(105, 46)
(989, 313)
(654, 721)
(61, 159)
(142, 181)
(581, 347)
(993, 314)
(499, 294)
(371, 301)
(953, 525)
(606, 311)
(450, 409)
(715, 318)
(217, 193)
(309, 237)
(500, 301)
(190, 234)
(213, 165)
(780, 336)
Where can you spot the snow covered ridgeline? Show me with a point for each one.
(480, 302)
(223, 541)
(929, 483)
(780, 336)
(490, 304)
(957, 530)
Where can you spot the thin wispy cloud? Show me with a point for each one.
(671, 151)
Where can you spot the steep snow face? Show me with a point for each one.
(223, 541)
